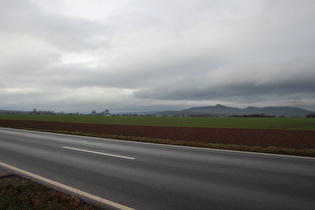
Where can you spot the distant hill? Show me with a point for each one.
(220, 110)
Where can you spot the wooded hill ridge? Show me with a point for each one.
(221, 111)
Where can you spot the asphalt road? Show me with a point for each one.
(152, 176)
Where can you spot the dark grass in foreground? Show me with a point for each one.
(19, 193)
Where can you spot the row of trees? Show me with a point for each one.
(311, 115)
(262, 115)
(104, 113)
(51, 113)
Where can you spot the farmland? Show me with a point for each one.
(206, 122)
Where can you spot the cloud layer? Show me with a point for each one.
(153, 55)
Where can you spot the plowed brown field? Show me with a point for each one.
(252, 137)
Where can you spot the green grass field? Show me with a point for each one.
(228, 122)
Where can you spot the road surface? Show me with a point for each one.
(152, 176)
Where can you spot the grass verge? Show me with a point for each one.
(20, 193)
(246, 148)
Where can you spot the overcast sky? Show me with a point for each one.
(140, 55)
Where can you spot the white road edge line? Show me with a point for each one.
(98, 153)
(65, 187)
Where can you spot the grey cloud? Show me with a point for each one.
(246, 92)
(286, 80)
(23, 18)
